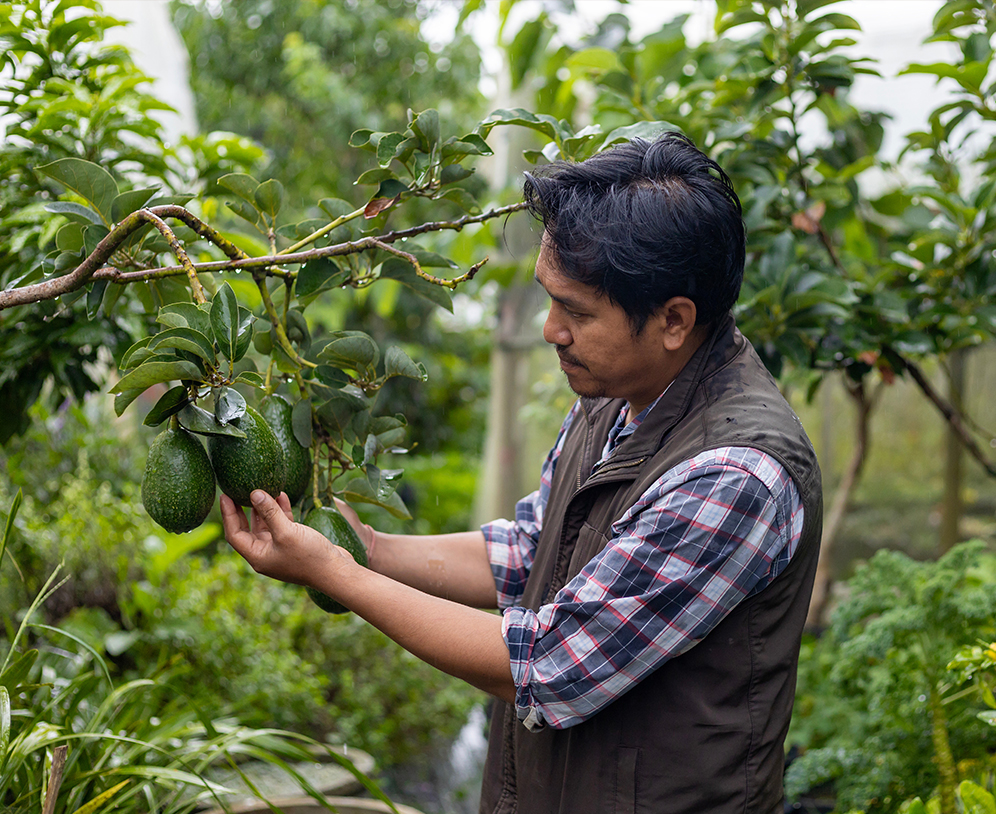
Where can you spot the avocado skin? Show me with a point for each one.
(178, 483)
(244, 464)
(277, 412)
(330, 523)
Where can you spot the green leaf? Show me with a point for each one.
(399, 363)
(386, 150)
(123, 399)
(397, 269)
(647, 130)
(251, 378)
(200, 421)
(391, 188)
(454, 173)
(4, 721)
(73, 211)
(90, 181)
(225, 320)
(150, 373)
(17, 671)
(9, 525)
(975, 799)
(186, 315)
(169, 404)
(245, 211)
(184, 339)
(546, 125)
(131, 201)
(467, 202)
(362, 491)
(598, 59)
(244, 340)
(229, 405)
(350, 349)
(319, 275)
(70, 238)
(470, 144)
(375, 176)
(97, 803)
(301, 422)
(331, 376)
(241, 184)
(269, 196)
(426, 127)
(95, 296)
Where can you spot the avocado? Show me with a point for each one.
(178, 484)
(244, 464)
(329, 522)
(277, 412)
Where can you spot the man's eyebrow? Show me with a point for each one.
(567, 302)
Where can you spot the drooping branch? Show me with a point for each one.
(92, 268)
(950, 413)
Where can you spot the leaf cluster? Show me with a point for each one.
(73, 738)
(863, 712)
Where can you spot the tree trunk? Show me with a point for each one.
(951, 504)
(502, 480)
(834, 520)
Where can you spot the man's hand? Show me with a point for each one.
(366, 533)
(274, 545)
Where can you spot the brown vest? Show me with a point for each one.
(703, 733)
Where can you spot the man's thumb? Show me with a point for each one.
(268, 509)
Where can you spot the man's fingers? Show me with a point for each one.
(232, 517)
(276, 517)
(284, 502)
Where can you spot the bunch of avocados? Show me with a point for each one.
(178, 486)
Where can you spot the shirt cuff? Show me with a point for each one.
(519, 628)
(499, 537)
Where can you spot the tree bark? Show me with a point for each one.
(951, 503)
(864, 404)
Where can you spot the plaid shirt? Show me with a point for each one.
(708, 533)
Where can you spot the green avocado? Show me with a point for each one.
(329, 522)
(178, 484)
(253, 462)
(277, 412)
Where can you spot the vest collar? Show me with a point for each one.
(722, 345)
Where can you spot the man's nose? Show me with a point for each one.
(554, 331)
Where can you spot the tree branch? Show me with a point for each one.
(92, 268)
(951, 415)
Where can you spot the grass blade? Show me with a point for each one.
(100, 799)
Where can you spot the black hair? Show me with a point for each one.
(643, 222)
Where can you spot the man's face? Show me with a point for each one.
(594, 339)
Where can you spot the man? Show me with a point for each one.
(654, 588)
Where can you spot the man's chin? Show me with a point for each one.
(588, 392)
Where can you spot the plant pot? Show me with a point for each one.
(306, 805)
(327, 777)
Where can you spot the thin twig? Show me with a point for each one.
(55, 778)
(951, 415)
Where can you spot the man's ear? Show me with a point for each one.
(676, 321)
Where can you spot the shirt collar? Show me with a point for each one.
(621, 429)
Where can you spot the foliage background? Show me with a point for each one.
(278, 92)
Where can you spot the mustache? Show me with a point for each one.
(566, 357)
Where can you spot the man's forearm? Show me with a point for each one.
(451, 566)
(462, 641)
